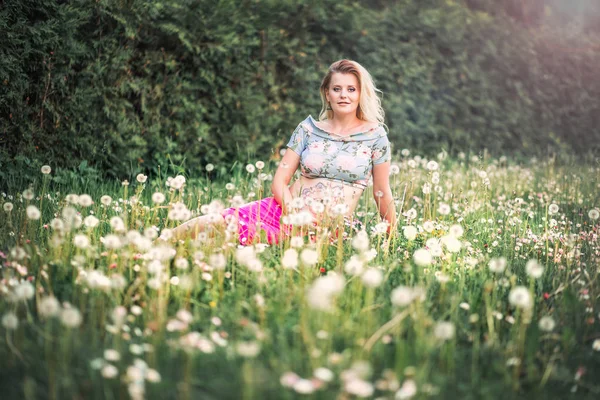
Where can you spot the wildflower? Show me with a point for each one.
(8, 206)
(125, 183)
(452, 244)
(339, 209)
(152, 375)
(411, 214)
(33, 213)
(158, 198)
(136, 310)
(85, 200)
(260, 164)
(181, 263)
(534, 269)
(309, 257)
(141, 178)
(209, 167)
(323, 290)
(176, 183)
(394, 169)
(28, 194)
(353, 266)
(109, 371)
(112, 355)
(520, 297)
(117, 224)
(360, 242)
(428, 226)
(248, 349)
(372, 277)
(111, 242)
(49, 307)
(18, 253)
(250, 168)
(407, 391)
(71, 317)
(456, 231)
(359, 387)
(552, 209)
(422, 257)
(297, 241)
(90, 221)
(405, 152)
(106, 200)
(402, 296)
(303, 386)
(81, 241)
(444, 330)
(444, 209)
(323, 374)
(23, 291)
(290, 259)
(594, 214)
(10, 321)
(410, 232)
(547, 324)
(497, 265)
(288, 379)
(46, 169)
(596, 345)
(217, 261)
(432, 165)
(229, 186)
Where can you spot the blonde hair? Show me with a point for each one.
(369, 107)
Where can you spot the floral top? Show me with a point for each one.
(347, 159)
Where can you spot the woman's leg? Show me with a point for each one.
(191, 228)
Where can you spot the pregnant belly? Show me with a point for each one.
(333, 195)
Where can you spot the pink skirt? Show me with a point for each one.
(261, 215)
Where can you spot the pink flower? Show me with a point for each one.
(317, 146)
(363, 152)
(331, 149)
(314, 162)
(345, 162)
(377, 154)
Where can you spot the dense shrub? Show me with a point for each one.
(133, 85)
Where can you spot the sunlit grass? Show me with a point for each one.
(488, 286)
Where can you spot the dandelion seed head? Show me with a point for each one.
(534, 269)
(85, 200)
(33, 213)
(141, 178)
(520, 297)
(422, 257)
(410, 232)
(547, 324)
(372, 277)
(28, 194)
(10, 321)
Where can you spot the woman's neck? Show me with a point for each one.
(344, 123)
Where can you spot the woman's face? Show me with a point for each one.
(343, 93)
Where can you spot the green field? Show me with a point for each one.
(487, 289)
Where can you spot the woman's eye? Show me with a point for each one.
(351, 89)
(337, 89)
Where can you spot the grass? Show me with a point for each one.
(505, 306)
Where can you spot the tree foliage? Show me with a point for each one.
(129, 85)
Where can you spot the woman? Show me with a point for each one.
(337, 156)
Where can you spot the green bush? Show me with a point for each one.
(138, 85)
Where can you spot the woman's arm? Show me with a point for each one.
(279, 187)
(382, 193)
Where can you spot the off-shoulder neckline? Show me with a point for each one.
(314, 123)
